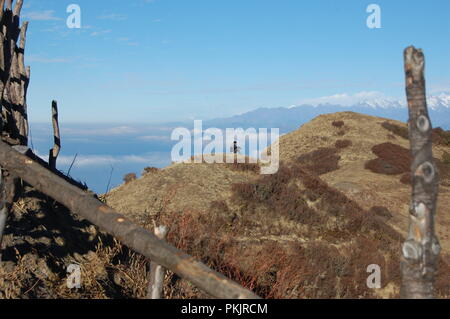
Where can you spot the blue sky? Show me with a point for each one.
(169, 60)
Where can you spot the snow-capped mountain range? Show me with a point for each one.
(375, 100)
(371, 103)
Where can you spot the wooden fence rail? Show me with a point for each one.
(137, 238)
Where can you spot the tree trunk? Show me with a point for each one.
(421, 248)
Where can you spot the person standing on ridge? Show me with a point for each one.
(235, 147)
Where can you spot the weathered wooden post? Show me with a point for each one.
(14, 80)
(3, 211)
(54, 152)
(156, 281)
(421, 248)
(14, 76)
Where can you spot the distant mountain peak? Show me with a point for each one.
(375, 101)
(436, 102)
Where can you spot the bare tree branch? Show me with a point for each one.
(421, 248)
(18, 7)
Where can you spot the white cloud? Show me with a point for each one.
(127, 41)
(97, 33)
(104, 160)
(40, 59)
(154, 138)
(46, 15)
(113, 16)
(118, 130)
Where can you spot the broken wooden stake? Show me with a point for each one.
(54, 152)
(421, 248)
(157, 272)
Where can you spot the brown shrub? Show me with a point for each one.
(392, 159)
(244, 167)
(381, 211)
(150, 170)
(444, 169)
(396, 129)
(129, 177)
(320, 161)
(340, 144)
(338, 124)
(406, 179)
(440, 136)
(277, 194)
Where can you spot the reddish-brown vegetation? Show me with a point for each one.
(381, 211)
(292, 270)
(406, 179)
(320, 161)
(338, 124)
(340, 144)
(150, 170)
(392, 159)
(244, 167)
(439, 135)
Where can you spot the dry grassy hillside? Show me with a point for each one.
(308, 231)
(357, 173)
(337, 204)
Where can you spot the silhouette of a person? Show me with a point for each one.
(235, 147)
